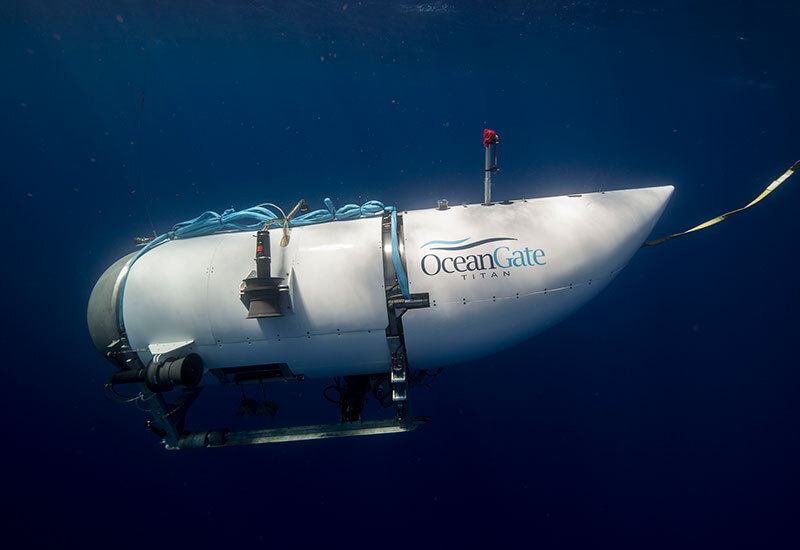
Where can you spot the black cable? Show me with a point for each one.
(337, 385)
(122, 398)
(325, 394)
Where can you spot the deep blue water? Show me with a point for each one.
(663, 414)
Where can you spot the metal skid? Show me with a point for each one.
(346, 428)
(224, 438)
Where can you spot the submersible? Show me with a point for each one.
(369, 295)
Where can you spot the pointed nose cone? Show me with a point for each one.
(516, 268)
(613, 226)
(650, 203)
(630, 216)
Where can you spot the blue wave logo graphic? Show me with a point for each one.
(444, 242)
(465, 246)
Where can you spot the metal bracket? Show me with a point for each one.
(168, 347)
(399, 378)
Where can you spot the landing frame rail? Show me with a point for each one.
(226, 438)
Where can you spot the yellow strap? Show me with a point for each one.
(771, 187)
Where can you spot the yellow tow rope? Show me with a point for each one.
(772, 186)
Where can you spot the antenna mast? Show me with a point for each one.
(490, 142)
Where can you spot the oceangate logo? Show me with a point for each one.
(484, 265)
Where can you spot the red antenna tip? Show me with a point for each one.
(490, 137)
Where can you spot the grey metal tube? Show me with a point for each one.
(487, 178)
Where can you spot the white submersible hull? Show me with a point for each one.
(525, 266)
(480, 278)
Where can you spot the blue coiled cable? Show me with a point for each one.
(256, 217)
